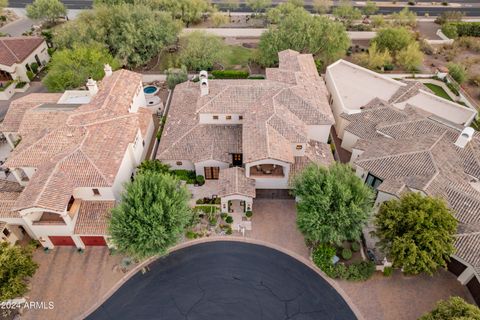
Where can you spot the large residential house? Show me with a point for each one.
(18, 53)
(71, 154)
(251, 135)
(404, 139)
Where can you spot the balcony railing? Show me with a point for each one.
(267, 171)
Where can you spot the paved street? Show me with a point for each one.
(226, 280)
(471, 8)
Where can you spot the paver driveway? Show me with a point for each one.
(226, 280)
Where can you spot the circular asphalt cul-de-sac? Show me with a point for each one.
(225, 281)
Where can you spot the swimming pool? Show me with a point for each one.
(150, 90)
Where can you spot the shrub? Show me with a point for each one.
(223, 215)
(217, 200)
(355, 246)
(213, 221)
(51, 51)
(323, 257)
(256, 77)
(458, 72)
(21, 84)
(34, 67)
(229, 219)
(387, 271)
(199, 201)
(249, 214)
(461, 29)
(200, 180)
(190, 234)
(186, 175)
(346, 254)
(360, 271)
(230, 74)
(30, 75)
(176, 76)
(449, 16)
(450, 30)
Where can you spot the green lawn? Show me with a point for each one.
(437, 90)
(235, 57)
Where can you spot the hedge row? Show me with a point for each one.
(461, 29)
(230, 74)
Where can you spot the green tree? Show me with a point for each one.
(3, 5)
(151, 217)
(176, 76)
(334, 204)
(375, 59)
(153, 166)
(134, 34)
(416, 232)
(189, 11)
(259, 5)
(276, 14)
(327, 40)
(346, 12)
(404, 18)
(393, 39)
(70, 68)
(322, 6)
(16, 265)
(458, 72)
(49, 10)
(455, 308)
(200, 50)
(370, 8)
(411, 57)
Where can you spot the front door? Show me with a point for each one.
(237, 159)
(211, 172)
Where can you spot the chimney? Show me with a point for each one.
(465, 137)
(92, 86)
(108, 70)
(203, 87)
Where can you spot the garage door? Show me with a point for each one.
(62, 241)
(273, 194)
(93, 241)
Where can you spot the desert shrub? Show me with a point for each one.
(34, 67)
(355, 246)
(30, 75)
(387, 271)
(200, 180)
(346, 254)
(458, 72)
(223, 215)
(229, 219)
(323, 257)
(249, 214)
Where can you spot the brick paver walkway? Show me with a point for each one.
(72, 281)
(75, 282)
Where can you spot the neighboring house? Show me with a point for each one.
(423, 148)
(270, 128)
(353, 88)
(18, 53)
(72, 153)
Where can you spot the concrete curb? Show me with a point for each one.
(183, 245)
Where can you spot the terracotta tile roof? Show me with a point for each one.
(275, 112)
(75, 147)
(93, 217)
(315, 152)
(9, 192)
(233, 181)
(16, 49)
(420, 154)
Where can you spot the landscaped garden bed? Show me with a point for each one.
(438, 91)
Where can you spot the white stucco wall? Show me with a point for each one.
(87, 193)
(185, 164)
(298, 152)
(139, 99)
(207, 118)
(355, 154)
(319, 133)
(335, 103)
(349, 140)
(199, 166)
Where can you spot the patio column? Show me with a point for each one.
(224, 203)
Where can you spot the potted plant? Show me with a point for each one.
(200, 180)
(249, 214)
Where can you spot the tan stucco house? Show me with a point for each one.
(405, 139)
(270, 129)
(70, 155)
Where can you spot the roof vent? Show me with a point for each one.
(92, 86)
(465, 137)
(108, 70)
